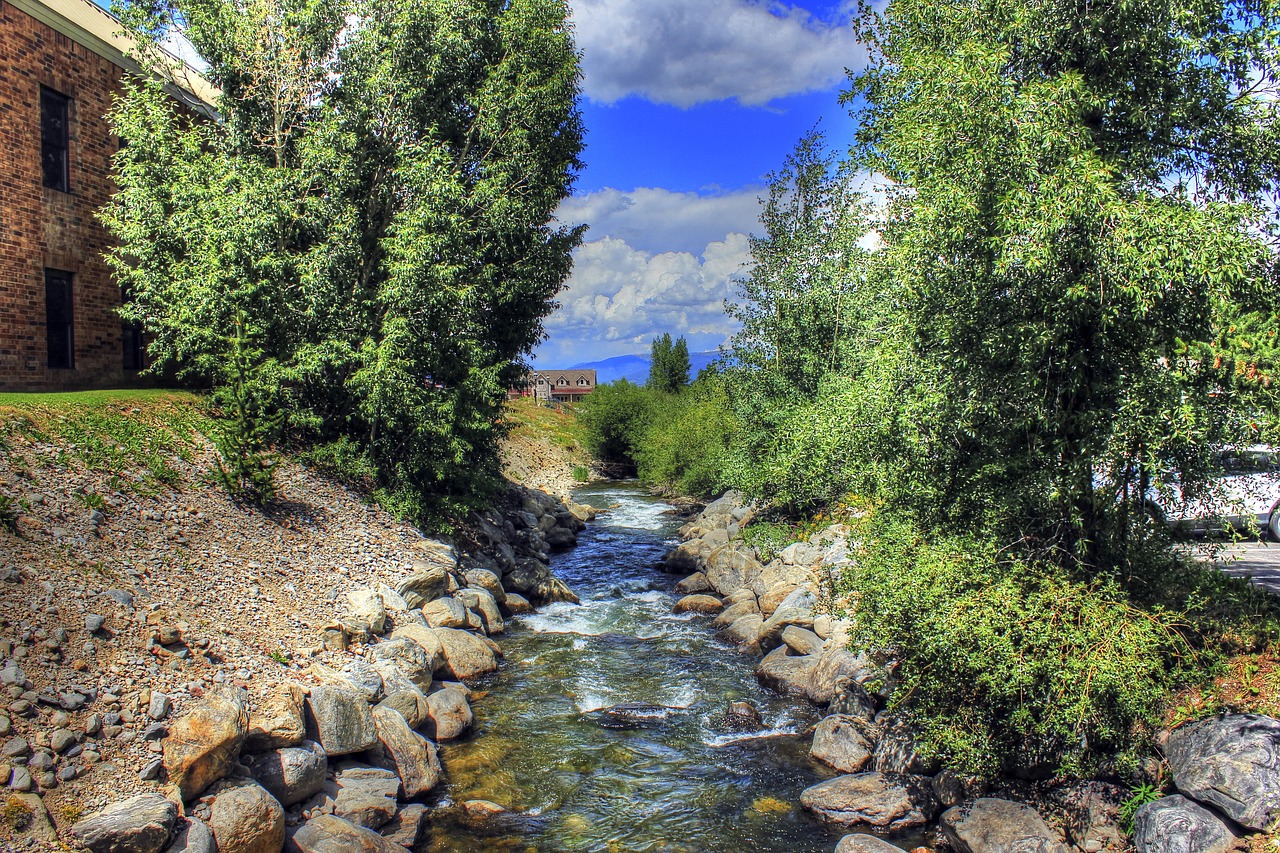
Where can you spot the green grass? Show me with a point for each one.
(525, 418)
(112, 431)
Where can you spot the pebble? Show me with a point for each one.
(92, 725)
(5, 726)
(152, 771)
(15, 748)
(93, 622)
(66, 774)
(159, 706)
(155, 731)
(62, 740)
(20, 780)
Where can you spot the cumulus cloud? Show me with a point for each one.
(682, 53)
(657, 220)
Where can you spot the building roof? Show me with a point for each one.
(91, 26)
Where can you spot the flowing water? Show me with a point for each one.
(684, 780)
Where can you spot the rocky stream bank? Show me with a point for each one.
(1225, 769)
(183, 673)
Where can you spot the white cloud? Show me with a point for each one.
(684, 53)
(658, 220)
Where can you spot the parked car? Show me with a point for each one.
(1244, 497)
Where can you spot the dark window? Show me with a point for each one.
(57, 312)
(131, 336)
(54, 136)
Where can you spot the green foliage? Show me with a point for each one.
(244, 439)
(1002, 663)
(342, 459)
(376, 201)
(685, 447)
(615, 416)
(581, 474)
(668, 365)
(8, 513)
(1140, 795)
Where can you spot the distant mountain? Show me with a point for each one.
(635, 368)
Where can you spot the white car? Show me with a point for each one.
(1246, 496)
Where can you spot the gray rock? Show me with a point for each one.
(152, 770)
(160, 705)
(948, 787)
(94, 623)
(785, 674)
(140, 824)
(204, 744)
(340, 720)
(838, 672)
(801, 640)
(20, 779)
(865, 844)
(518, 605)
(990, 825)
(427, 583)
(445, 612)
(744, 631)
(845, 743)
(293, 773)
(729, 568)
(244, 818)
(1175, 824)
(795, 609)
(410, 704)
(488, 581)
(483, 604)
(38, 825)
(465, 655)
(448, 715)
(365, 796)
(735, 611)
(873, 800)
(425, 637)
(409, 659)
(15, 748)
(363, 677)
(695, 583)
(368, 610)
(1230, 762)
(413, 755)
(329, 834)
(408, 828)
(194, 837)
(896, 750)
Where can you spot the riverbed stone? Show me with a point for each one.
(706, 605)
(844, 742)
(859, 843)
(786, 674)
(465, 655)
(991, 825)
(730, 567)
(425, 637)
(413, 755)
(745, 631)
(204, 745)
(837, 673)
(480, 602)
(801, 641)
(735, 611)
(409, 826)
(293, 773)
(896, 750)
(410, 703)
(874, 800)
(427, 583)
(194, 836)
(330, 834)
(445, 612)
(140, 824)
(365, 796)
(1174, 824)
(276, 719)
(694, 583)
(409, 659)
(518, 605)
(795, 609)
(1230, 762)
(449, 714)
(244, 818)
(489, 582)
(551, 590)
(773, 597)
(339, 720)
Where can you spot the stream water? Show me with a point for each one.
(684, 780)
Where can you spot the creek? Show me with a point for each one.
(684, 779)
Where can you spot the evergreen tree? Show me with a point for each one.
(669, 364)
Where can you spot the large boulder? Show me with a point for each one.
(408, 828)
(365, 796)
(427, 583)
(480, 602)
(489, 582)
(1175, 824)
(141, 824)
(801, 641)
(736, 611)
(465, 655)
(410, 704)
(525, 576)
(795, 609)
(340, 720)
(707, 605)
(244, 818)
(194, 836)
(449, 714)
(291, 774)
(990, 825)
(694, 583)
(368, 611)
(872, 800)
(551, 590)
(204, 745)
(445, 612)
(329, 834)
(1231, 762)
(730, 567)
(413, 755)
(786, 674)
(408, 658)
(836, 671)
(276, 720)
(845, 743)
(745, 631)
(425, 637)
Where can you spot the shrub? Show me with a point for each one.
(1003, 664)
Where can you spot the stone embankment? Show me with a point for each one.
(1226, 770)
(181, 673)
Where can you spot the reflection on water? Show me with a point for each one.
(678, 779)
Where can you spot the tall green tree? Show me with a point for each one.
(668, 364)
(377, 195)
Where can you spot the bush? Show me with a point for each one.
(685, 447)
(615, 416)
(1002, 664)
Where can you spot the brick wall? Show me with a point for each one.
(45, 228)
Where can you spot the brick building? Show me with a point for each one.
(61, 63)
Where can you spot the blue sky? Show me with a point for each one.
(688, 104)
